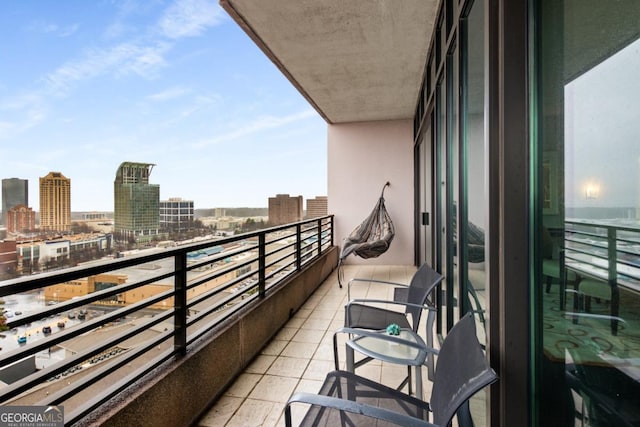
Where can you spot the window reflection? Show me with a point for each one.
(474, 147)
(589, 199)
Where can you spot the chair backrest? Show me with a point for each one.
(473, 302)
(421, 286)
(462, 370)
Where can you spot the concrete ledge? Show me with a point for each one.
(183, 390)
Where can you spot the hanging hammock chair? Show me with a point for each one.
(371, 238)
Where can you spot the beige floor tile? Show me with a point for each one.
(286, 333)
(296, 322)
(302, 313)
(221, 412)
(317, 324)
(321, 313)
(274, 415)
(260, 364)
(297, 413)
(309, 385)
(243, 385)
(288, 367)
(393, 375)
(299, 349)
(313, 336)
(274, 388)
(275, 347)
(318, 369)
(371, 371)
(324, 352)
(253, 413)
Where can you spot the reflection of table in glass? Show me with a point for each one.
(408, 349)
(596, 279)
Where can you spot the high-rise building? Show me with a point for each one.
(317, 207)
(15, 191)
(20, 219)
(55, 202)
(176, 214)
(284, 209)
(136, 202)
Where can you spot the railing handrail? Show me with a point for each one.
(305, 234)
(609, 239)
(44, 279)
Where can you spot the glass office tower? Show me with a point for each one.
(136, 203)
(15, 191)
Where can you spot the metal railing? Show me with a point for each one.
(606, 250)
(607, 255)
(165, 302)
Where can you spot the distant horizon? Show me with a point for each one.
(85, 87)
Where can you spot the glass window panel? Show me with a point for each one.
(441, 185)
(453, 286)
(588, 269)
(474, 164)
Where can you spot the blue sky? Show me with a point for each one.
(86, 85)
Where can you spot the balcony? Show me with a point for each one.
(301, 353)
(243, 323)
(115, 341)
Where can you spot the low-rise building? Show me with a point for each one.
(21, 218)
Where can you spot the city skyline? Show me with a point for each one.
(86, 86)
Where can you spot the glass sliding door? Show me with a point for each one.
(451, 201)
(587, 213)
(454, 124)
(425, 194)
(441, 220)
(472, 216)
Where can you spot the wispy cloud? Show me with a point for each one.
(143, 56)
(68, 30)
(258, 125)
(169, 94)
(28, 110)
(187, 18)
(123, 59)
(55, 29)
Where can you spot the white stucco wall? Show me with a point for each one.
(361, 158)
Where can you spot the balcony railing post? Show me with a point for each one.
(262, 262)
(612, 252)
(298, 246)
(180, 302)
(319, 236)
(332, 228)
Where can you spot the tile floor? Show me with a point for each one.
(301, 354)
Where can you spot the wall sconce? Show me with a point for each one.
(591, 191)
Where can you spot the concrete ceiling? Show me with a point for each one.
(353, 60)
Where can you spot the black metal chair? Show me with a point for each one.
(348, 399)
(413, 299)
